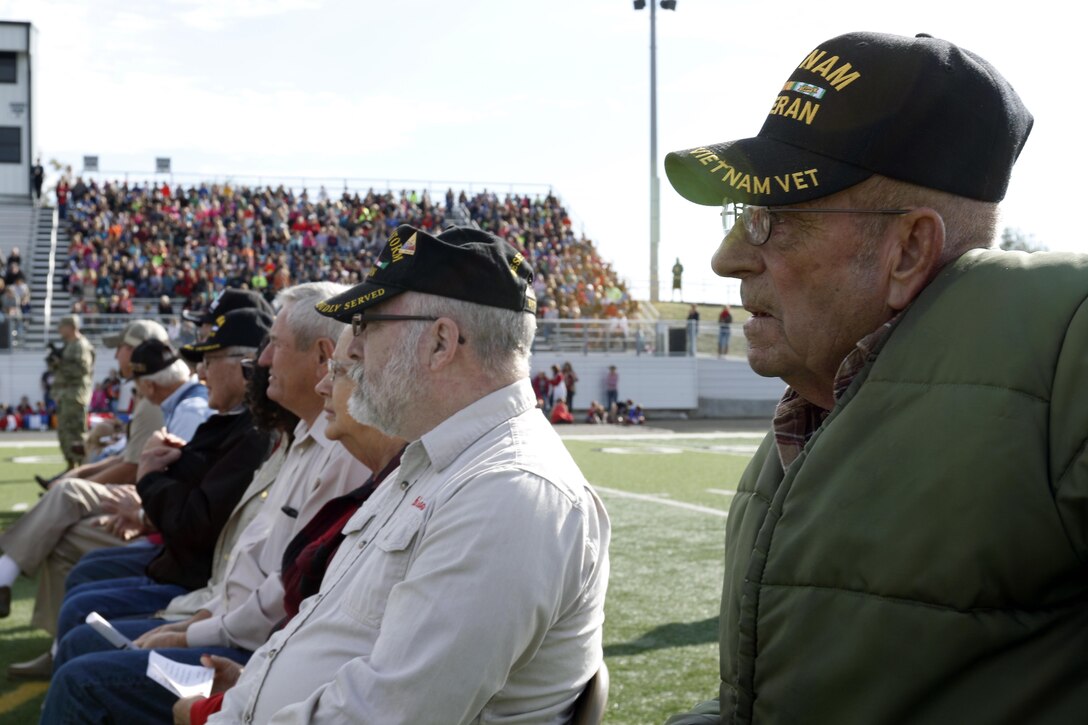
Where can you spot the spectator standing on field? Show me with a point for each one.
(611, 387)
(570, 379)
(725, 329)
(693, 329)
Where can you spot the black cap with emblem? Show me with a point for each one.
(151, 356)
(245, 327)
(919, 110)
(227, 300)
(461, 263)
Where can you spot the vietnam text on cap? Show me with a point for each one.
(919, 110)
(461, 263)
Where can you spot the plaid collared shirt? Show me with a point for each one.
(796, 419)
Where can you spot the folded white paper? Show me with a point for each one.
(181, 679)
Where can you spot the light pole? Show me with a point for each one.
(655, 185)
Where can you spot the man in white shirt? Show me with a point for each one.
(470, 587)
(65, 524)
(245, 606)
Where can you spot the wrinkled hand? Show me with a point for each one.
(161, 640)
(161, 449)
(227, 672)
(147, 640)
(183, 708)
(123, 520)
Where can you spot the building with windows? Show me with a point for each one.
(18, 46)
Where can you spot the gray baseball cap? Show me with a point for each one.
(136, 332)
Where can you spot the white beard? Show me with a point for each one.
(385, 403)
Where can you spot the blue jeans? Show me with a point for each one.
(112, 563)
(111, 685)
(113, 599)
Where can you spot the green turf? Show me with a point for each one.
(18, 641)
(661, 611)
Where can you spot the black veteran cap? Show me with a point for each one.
(227, 300)
(245, 327)
(151, 356)
(919, 110)
(461, 263)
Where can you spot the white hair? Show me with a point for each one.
(176, 374)
(501, 339)
(306, 323)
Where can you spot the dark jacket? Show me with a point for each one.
(925, 559)
(191, 500)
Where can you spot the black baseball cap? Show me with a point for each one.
(919, 110)
(227, 300)
(244, 327)
(462, 263)
(151, 356)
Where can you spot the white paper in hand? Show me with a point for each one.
(181, 679)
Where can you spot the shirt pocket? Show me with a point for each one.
(382, 566)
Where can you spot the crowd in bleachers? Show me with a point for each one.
(133, 243)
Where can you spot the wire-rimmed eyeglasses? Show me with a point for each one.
(359, 321)
(757, 220)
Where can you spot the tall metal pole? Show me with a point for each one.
(655, 198)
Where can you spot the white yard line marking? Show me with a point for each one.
(21, 506)
(720, 492)
(662, 501)
(28, 444)
(658, 436)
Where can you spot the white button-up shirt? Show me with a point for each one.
(469, 588)
(250, 601)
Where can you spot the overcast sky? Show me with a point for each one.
(496, 92)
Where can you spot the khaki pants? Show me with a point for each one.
(54, 535)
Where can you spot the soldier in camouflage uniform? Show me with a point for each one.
(73, 372)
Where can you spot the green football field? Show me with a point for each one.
(667, 495)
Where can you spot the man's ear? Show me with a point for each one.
(443, 343)
(325, 346)
(915, 255)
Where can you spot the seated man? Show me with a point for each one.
(146, 419)
(83, 688)
(189, 489)
(472, 583)
(64, 524)
(249, 603)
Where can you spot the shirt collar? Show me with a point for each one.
(446, 441)
(175, 397)
(796, 419)
(313, 432)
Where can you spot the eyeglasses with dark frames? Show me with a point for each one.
(757, 220)
(359, 321)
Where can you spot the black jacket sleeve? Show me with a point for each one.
(191, 500)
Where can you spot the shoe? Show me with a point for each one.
(5, 601)
(39, 668)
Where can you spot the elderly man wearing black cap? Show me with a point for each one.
(145, 419)
(909, 543)
(226, 301)
(471, 585)
(187, 488)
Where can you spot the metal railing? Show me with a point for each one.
(572, 337)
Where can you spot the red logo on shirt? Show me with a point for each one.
(418, 503)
